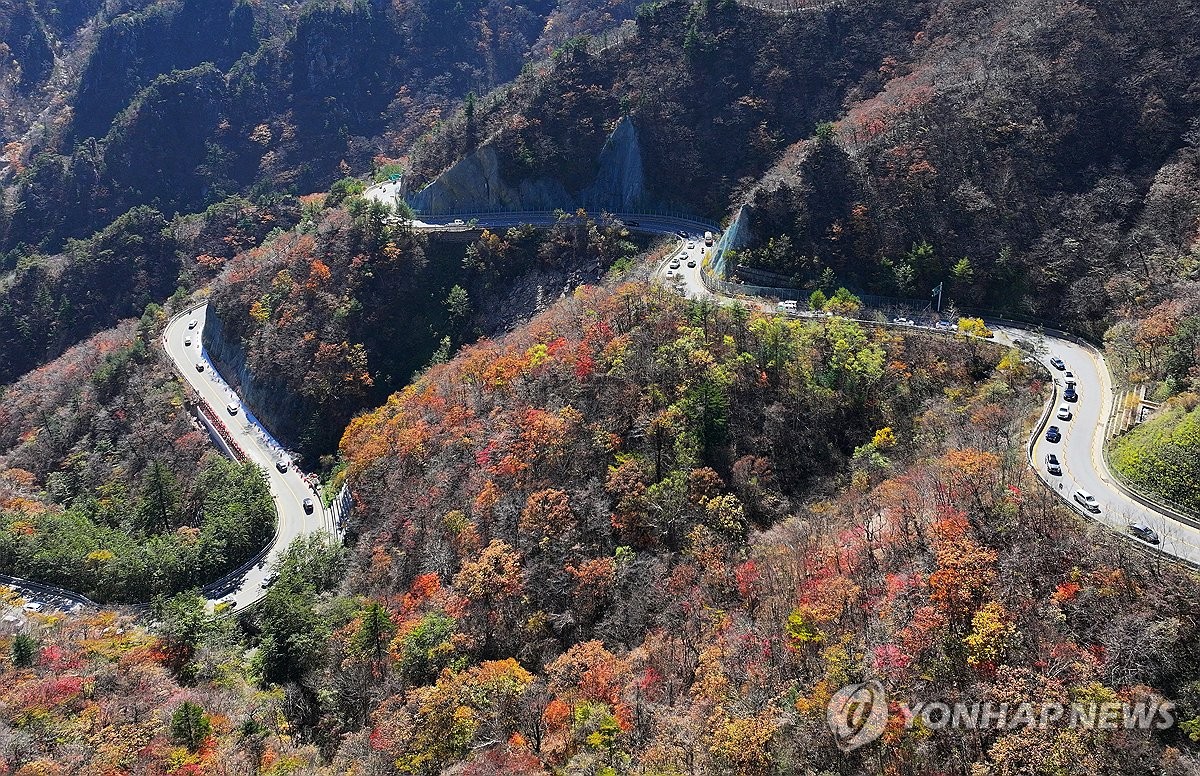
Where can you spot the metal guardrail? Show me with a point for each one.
(49, 590)
(1109, 473)
(145, 606)
(1040, 426)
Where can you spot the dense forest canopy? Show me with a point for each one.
(596, 527)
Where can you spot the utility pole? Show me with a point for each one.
(938, 293)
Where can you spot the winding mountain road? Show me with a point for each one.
(182, 341)
(1081, 449)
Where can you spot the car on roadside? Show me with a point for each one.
(308, 506)
(199, 366)
(192, 324)
(943, 325)
(1052, 464)
(1053, 434)
(1064, 413)
(1069, 393)
(691, 245)
(458, 222)
(1087, 501)
(282, 466)
(902, 321)
(1144, 532)
(232, 408)
(674, 264)
(187, 342)
(1058, 363)
(34, 606)
(691, 263)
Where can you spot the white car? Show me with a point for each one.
(34, 606)
(1069, 376)
(691, 246)
(1064, 412)
(457, 222)
(1087, 501)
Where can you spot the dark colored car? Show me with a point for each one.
(282, 466)
(1144, 532)
(1053, 434)
(308, 506)
(1069, 394)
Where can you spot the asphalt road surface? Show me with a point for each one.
(1080, 450)
(289, 490)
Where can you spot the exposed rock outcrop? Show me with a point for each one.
(475, 183)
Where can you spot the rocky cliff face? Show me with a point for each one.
(476, 184)
(275, 407)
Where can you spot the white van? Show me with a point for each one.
(788, 306)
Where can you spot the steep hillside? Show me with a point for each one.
(317, 325)
(1039, 157)
(107, 485)
(180, 103)
(97, 693)
(716, 92)
(48, 303)
(601, 543)
(1036, 157)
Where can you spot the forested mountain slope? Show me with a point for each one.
(1037, 156)
(637, 534)
(180, 103)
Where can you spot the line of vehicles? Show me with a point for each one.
(35, 601)
(1054, 435)
(792, 307)
(233, 408)
(1085, 500)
